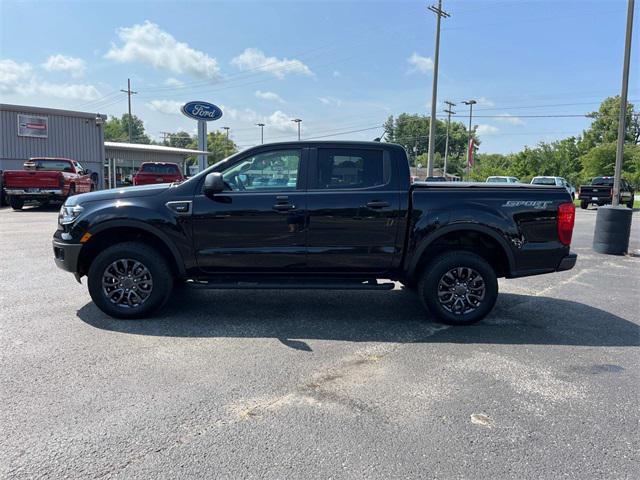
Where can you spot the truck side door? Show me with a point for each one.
(352, 208)
(257, 223)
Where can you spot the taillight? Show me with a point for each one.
(566, 219)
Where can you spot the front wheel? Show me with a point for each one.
(16, 203)
(459, 288)
(129, 280)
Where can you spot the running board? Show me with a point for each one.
(296, 284)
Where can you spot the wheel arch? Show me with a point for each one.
(119, 231)
(470, 237)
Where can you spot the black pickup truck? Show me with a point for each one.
(315, 215)
(600, 192)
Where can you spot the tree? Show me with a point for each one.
(219, 146)
(179, 139)
(604, 128)
(601, 160)
(117, 130)
(412, 132)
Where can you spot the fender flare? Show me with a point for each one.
(109, 224)
(462, 227)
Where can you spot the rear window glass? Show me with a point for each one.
(160, 169)
(347, 168)
(55, 165)
(544, 181)
(603, 181)
(496, 180)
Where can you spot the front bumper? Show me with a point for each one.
(567, 263)
(35, 192)
(66, 255)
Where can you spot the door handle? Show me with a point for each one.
(377, 204)
(283, 207)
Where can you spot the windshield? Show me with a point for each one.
(159, 168)
(544, 181)
(53, 165)
(606, 181)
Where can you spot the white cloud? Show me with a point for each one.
(419, 63)
(332, 101)
(165, 106)
(173, 82)
(485, 102)
(61, 63)
(336, 74)
(510, 119)
(281, 122)
(147, 43)
(14, 75)
(254, 59)
(277, 121)
(486, 129)
(269, 96)
(70, 91)
(19, 78)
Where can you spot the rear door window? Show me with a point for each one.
(341, 168)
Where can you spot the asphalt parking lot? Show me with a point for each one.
(296, 384)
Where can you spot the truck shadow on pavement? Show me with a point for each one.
(395, 316)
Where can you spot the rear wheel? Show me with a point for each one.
(129, 280)
(630, 204)
(72, 191)
(459, 288)
(16, 203)
(584, 204)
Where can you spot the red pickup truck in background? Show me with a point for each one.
(157, 172)
(46, 179)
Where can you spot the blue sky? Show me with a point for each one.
(340, 66)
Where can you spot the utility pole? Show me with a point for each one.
(471, 103)
(449, 112)
(261, 125)
(298, 121)
(623, 106)
(129, 92)
(434, 92)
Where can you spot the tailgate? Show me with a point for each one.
(31, 179)
(145, 177)
(595, 191)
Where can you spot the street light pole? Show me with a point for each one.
(227, 129)
(298, 121)
(471, 103)
(449, 112)
(434, 92)
(623, 106)
(261, 125)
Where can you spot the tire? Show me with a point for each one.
(152, 288)
(437, 288)
(72, 191)
(584, 204)
(573, 197)
(16, 203)
(630, 204)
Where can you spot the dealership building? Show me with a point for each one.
(27, 132)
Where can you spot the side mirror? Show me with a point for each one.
(213, 183)
(87, 171)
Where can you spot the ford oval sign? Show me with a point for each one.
(201, 111)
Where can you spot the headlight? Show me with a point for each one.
(68, 214)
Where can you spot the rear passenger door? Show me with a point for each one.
(352, 204)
